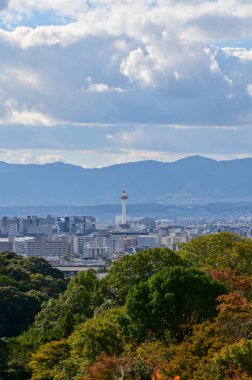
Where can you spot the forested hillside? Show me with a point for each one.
(155, 315)
(193, 179)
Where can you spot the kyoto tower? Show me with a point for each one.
(124, 197)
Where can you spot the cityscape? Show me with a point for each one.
(126, 190)
(75, 243)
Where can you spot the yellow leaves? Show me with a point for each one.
(233, 362)
(220, 251)
(48, 361)
(100, 335)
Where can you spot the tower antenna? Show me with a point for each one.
(124, 198)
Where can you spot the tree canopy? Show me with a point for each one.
(172, 301)
(133, 269)
(220, 251)
(156, 314)
(25, 283)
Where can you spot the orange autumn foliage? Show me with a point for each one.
(158, 376)
(235, 281)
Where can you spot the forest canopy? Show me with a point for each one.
(157, 314)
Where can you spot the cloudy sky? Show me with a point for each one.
(98, 82)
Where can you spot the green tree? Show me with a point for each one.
(58, 316)
(133, 269)
(25, 283)
(231, 362)
(172, 301)
(101, 335)
(220, 251)
(11, 368)
(11, 273)
(193, 358)
(50, 362)
(17, 311)
(39, 265)
(48, 285)
(3, 357)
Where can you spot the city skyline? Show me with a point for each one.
(111, 82)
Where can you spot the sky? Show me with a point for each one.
(100, 82)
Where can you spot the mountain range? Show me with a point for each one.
(188, 180)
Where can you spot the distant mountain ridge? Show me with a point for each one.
(191, 179)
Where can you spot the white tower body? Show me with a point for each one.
(124, 198)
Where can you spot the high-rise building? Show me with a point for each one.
(124, 198)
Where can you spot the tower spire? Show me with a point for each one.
(124, 198)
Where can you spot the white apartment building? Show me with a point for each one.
(20, 245)
(97, 247)
(56, 247)
(33, 247)
(173, 240)
(29, 246)
(78, 243)
(116, 245)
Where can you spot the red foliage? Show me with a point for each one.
(236, 282)
(105, 368)
(232, 302)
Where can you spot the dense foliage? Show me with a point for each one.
(25, 283)
(133, 269)
(172, 301)
(221, 251)
(156, 315)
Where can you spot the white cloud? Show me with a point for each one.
(138, 66)
(100, 87)
(25, 77)
(50, 158)
(25, 117)
(241, 53)
(27, 37)
(25, 8)
(30, 156)
(91, 146)
(29, 118)
(166, 62)
(17, 157)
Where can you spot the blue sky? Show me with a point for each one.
(106, 81)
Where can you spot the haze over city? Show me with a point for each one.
(103, 82)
